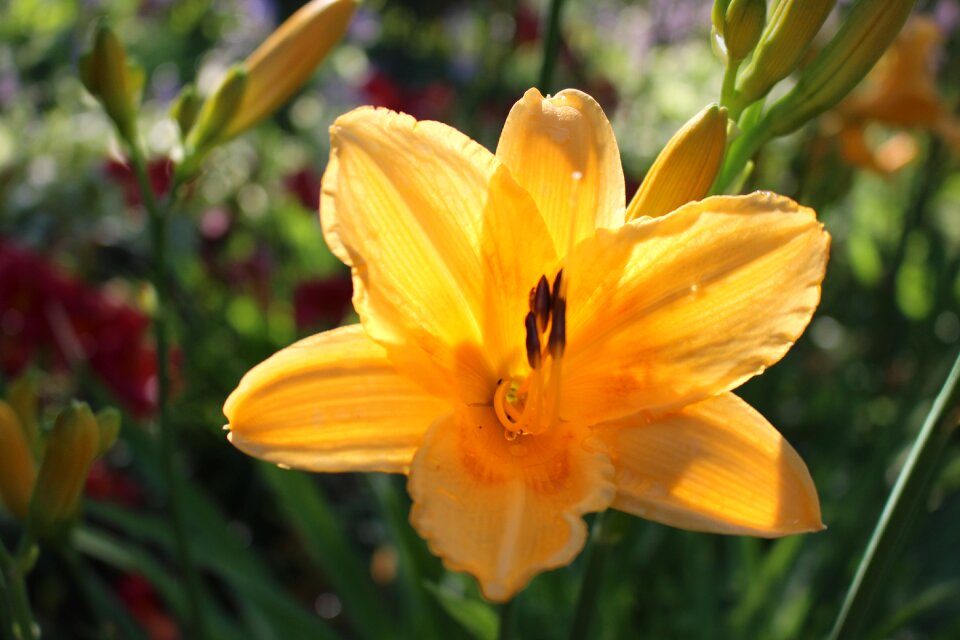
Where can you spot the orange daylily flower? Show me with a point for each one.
(527, 357)
(900, 92)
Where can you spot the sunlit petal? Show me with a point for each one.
(331, 402)
(443, 244)
(505, 511)
(667, 311)
(561, 149)
(715, 466)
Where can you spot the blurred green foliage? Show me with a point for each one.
(286, 555)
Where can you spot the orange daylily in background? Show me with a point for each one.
(900, 92)
(527, 357)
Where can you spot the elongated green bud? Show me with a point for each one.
(868, 29)
(186, 108)
(22, 396)
(72, 447)
(18, 470)
(739, 23)
(108, 421)
(787, 36)
(108, 76)
(218, 110)
(687, 166)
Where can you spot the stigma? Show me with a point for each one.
(527, 405)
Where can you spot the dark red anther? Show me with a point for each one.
(533, 340)
(542, 303)
(558, 327)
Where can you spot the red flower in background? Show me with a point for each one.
(322, 302)
(140, 599)
(44, 311)
(431, 102)
(305, 186)
(159, 171)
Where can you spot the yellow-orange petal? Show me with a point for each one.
(668, 311)
(562, 150)
(505, 511)
(443, 244)
(715, 466)
(331, 402)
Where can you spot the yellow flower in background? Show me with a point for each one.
(526, 356)
(900, 92)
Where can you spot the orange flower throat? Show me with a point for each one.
(528, 405)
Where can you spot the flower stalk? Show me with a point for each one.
(12, 573)
(607, 532)
(551, 45)
(161, 278)
(900, 511)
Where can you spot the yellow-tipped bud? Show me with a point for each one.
(286, 59)
(72, 447)
(785, 39)
(107, 75)
(186, 108)
(868, 29)
(22, 396)
(218, 110)
(687, 166)
(739, 23)
(108, 421)
(18, 470)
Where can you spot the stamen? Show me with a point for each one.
(558, 327)
(533, 340)
(557, 283)
(541, 302)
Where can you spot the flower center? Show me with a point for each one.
(528, 405)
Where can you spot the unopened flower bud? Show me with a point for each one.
(287, 58)
(739, 23)
(687, 166)
(72, 446)
(108, 421)
(186, 108)
(787, 36)
(218, 110)
(18, 470)
(22, 397)
(108, 76)
(868, 29)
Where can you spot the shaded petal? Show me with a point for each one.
(715, 466)
(505, 511)
(668, 311)
(442, 242)
(331, 402)
(562, 151)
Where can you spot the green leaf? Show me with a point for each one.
(477, 618)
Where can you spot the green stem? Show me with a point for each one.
(508, 614)
(161, 278)
(100, 599)
(899, 512)
(729, 97)
(607, 527)
(551, 46)
(16, 592)
(741, 151)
